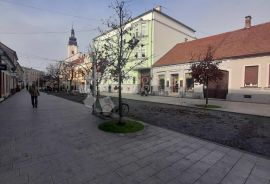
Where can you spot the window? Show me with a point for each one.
(143, 52)
(137, 33)
(72, 52)
(161, 82)
(251, 76)
(136, 55)
(143, 29)
(189, 82)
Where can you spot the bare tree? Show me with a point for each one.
(118, 46)
(77, 69)
(206, 70)
(68, 73)
(101, 65)
(53, 73)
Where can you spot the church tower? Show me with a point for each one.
(72, 44)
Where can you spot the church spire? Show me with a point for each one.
(72, 38)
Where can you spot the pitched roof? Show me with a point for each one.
(11, 54)
(78, 61)
(246, 42)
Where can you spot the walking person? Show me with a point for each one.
(33, 90)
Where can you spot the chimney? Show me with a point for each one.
(158, 8)
(248, 21)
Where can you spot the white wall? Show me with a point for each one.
(168, 33)
(236, 69)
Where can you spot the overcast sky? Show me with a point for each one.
(38, 30)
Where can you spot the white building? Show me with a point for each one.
(8, 82)
(245, 61)
(157, 33)
(76, 67)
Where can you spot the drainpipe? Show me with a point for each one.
(152, 57)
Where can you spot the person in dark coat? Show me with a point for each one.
(33, 90)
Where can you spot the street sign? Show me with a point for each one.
(3, 67)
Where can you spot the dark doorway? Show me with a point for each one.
(219, 89)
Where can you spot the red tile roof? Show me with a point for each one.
(78, 61)
(244, 42)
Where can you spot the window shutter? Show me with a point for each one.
(251, 76)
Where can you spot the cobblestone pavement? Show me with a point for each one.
(59, 143)
(228, 106)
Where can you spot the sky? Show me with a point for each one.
(38, 30)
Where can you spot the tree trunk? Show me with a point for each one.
(58, 83)
(119, 67)
(206, 100)
(70, 83)
(97, 90)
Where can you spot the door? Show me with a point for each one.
(219, 89)
(174, 80)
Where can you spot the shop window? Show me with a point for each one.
(161, 82)
(189, 82)
(167, 84)
(181, 83)
(251, 76)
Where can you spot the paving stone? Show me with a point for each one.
(213, 157)
(152, 180)
(167, 174)
(233, 179)
(199, 167)
(67, 148)
(128, 169)
(186, 150)
(126, 160)
(188, 177)
(213, 175)
(143, 174)
(182, 164)
(261, 171)
(252, 179)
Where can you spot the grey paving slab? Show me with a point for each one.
(59, 143)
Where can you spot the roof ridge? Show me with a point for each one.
(244, 42)
(225, 33)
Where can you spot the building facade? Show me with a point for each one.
(8, 60)
(245, 61)
(31, 75)
(157, 33)
(19, 77)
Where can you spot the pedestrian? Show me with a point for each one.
(33, 90)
